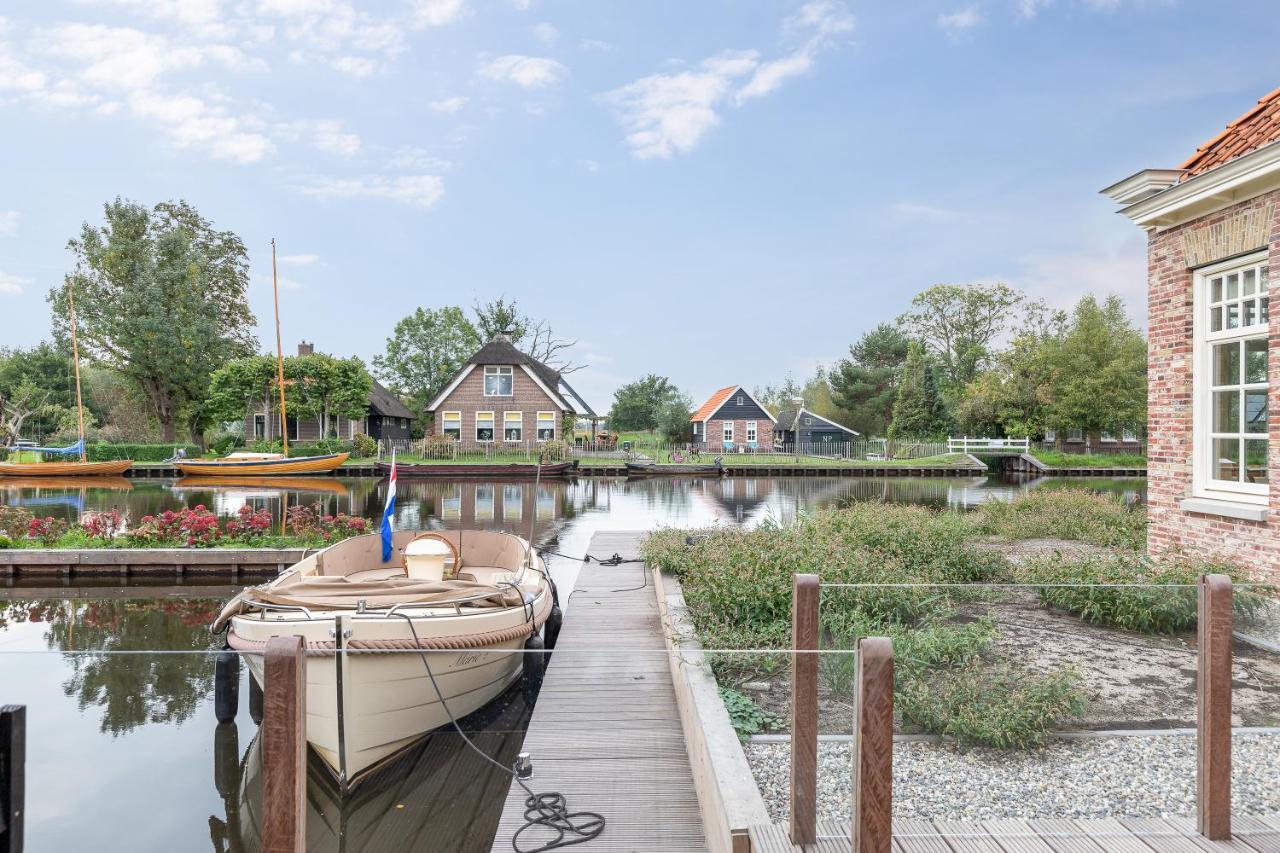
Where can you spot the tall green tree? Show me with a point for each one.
(636, 405)
(161, 298)
(240, 382)
(866, 384)
(918, 411)
(424, 352)
(959, 325)
(38, 382)
(673, 417)
(324, 387)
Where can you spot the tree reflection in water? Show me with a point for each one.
(130, 689)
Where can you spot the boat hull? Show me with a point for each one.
(267, 468)
(651, 470)
(389, 700)
(555, 469)
(65, 469)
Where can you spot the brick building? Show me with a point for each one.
(505, 398)
(1212, 231)
(733, 421)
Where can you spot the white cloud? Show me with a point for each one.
(11, 285)
(528, 72)
(521, 5)
(356, 66)
(418, 159)
(1062, 278)
(1031, 8)
(437, 13)
(668, 114)
(546, 33)
(589, 166)
(8, 223)
(192, 122)
(955, 23)
(17, 77)
(594, 46)
(449, 106)
(418, 190)
(329, 135)
(914, 212)
(298, 260)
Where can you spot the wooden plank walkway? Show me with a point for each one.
(1150, 835)
(605, 731)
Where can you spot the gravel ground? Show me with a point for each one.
(1140, 776)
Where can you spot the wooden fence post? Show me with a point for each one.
(872, 830)
(284, 747)
(1213, 708)
(804, 710)
(13, 787)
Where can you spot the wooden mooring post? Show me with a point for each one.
(1213, 708)
(284, 747)
(13, 768)
(804, 710)
(872, 830)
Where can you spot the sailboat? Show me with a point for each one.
(249, 464)
(80, 468)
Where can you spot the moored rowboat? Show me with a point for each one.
(649, 469)
(65, 469)
(457, 620)
(260, 465)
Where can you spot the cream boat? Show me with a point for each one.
(474, 598)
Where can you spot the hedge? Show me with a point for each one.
(103, 452)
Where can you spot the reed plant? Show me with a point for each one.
(1073, 514)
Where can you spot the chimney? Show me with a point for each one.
(305, 348)
(504, 335)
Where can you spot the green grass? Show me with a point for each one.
(1058, 459)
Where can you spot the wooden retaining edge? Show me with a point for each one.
(728, 796)
(148, 561)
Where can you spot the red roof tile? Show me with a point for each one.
(708, 408)
(1258, 127)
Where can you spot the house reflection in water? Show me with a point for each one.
(482, 505)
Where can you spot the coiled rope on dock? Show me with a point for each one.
(473, 640)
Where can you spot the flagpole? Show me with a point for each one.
(275, 290)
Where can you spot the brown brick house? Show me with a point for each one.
(504, 398)
(733, 421)
(386, 417)
(1213, 227)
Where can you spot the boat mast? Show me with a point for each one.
(275, 289)
(75, 361)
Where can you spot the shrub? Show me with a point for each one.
(441, 447)
(991, 705)
(103, 452)
(1131, 591)
(554, 451)
(320, 448)
(364, 445)
(747, 717)
(1075, 514)
(223, 443)
(249, 525)
(5, 541)
(46, 530)
(311, 522)
(191, 527)
(14, 521)
(275, 445)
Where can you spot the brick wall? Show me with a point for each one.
(469, 398)
(1169, 398)
(764, 434)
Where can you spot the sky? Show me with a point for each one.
(719, 192)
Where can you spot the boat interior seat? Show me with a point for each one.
(354, 556)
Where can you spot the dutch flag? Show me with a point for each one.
(388, 514)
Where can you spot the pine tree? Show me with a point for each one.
(918, 411)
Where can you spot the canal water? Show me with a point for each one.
(124, 753)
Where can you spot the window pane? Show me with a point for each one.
(1226, 411)
(1250, 282)
(1250, 312)
(1263, 312)
(1255, 411)
(1226, 459)
(1233, 286)
(1226, 364)
(1215, 289)
(1233, 315)
(1255, 456)
(1255, 360)
(1215, 319)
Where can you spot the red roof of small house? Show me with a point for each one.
(708, 408)
(1258, 127)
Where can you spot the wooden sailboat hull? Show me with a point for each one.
(265, 468)
(65, 469)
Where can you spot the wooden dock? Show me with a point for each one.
(1145, 835)
(605, 731)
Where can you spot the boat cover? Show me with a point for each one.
(75, 449)
(338, 593)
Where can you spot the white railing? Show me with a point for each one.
(968, 444)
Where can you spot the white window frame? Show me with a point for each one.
(451, 422)
(753, 434)
(508, 418)
(1106, 437)
(499, 371)
(1202, 481)
(491, 427)
(451, 504)
(539, 429)
(728, 431)
(1075, 435)
(1129, 437)
(1051, 435)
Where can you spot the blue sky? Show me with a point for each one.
(716, 191)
